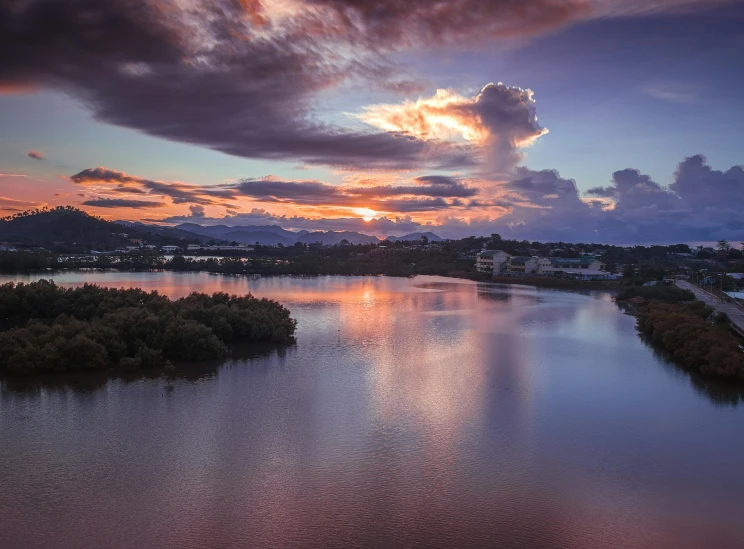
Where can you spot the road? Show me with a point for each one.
(735, 312)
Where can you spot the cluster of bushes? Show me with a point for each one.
(668, 294)
(48, 328)
(683, 330)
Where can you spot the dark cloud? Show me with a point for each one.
(427, 194)
(233, 76)
(122, 203)
(179, 193)
(36, 155)
(203, 75)
(391, 23)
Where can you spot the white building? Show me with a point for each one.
(492, 262)
(585, 266)
(170, 249)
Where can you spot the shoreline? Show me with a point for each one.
(536, 281)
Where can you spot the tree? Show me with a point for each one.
(723, 246)
(424, 239)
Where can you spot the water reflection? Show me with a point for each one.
(411, 412)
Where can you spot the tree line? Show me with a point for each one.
(47, 328)
(691, 332)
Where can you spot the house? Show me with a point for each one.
(492, 262)
(170, 249)
(523, 265)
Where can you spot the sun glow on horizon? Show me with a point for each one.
(365, 213)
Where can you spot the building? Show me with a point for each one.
(493, 262)
(584, 266)
(170, 249)
(216, 248)
(522, 265)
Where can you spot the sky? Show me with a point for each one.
(613, 121)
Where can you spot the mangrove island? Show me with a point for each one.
(48, 328)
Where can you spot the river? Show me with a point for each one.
(424, 412)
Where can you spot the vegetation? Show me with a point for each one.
(46, 328)
(669, 294)
(708, 348)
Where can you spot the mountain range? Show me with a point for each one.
(273, 235)
(70, 230)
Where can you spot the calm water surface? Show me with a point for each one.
(422, 412)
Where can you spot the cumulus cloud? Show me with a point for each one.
(197, 211)
(122, 203)
(36, 155)
(500, 119)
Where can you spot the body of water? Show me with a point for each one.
(424, 412)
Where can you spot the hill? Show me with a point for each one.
(416, 236)
(267, 235)
(271, 235)
(69, 230)
(331, 238)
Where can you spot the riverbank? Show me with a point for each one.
(689, 331)
(558, 283)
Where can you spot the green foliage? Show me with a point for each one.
(708, 349)
(659, 293)
(48, 328)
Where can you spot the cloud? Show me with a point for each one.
(197, 211)
(35, 155)
(13, 205)
(245, 77)
(122, 203)
(500, 119)
(179, 193)
(258, 216)
(391, 23)
(673, 93)
(426, 194)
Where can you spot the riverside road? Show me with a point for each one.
(735, 313)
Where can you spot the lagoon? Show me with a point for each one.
(422, 412)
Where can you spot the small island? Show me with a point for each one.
(691, 332)
(47, 328)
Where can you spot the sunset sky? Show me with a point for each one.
(577, 120)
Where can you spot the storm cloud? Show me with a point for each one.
(246, 77)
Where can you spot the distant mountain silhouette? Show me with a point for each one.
(267, 235)
(416, 236)
(336, 237)
(273, 235)
(66, 229)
